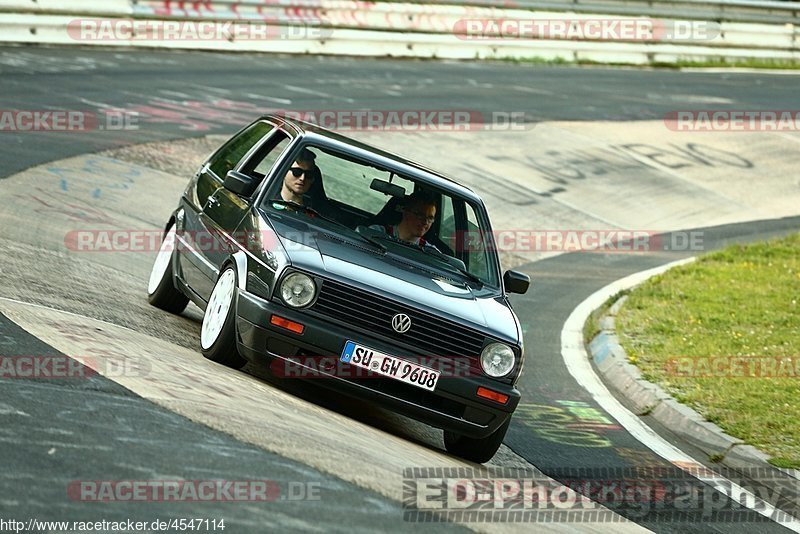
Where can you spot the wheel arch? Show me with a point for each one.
(238, 260)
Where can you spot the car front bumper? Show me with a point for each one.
(453, 405)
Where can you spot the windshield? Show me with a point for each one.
(435, 228)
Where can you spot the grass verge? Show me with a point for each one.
(592, 325)
(777, 64)
(722, 335)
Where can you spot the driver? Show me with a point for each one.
(419, 212)
(300, 177)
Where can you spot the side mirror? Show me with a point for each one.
(516, 282)
(241, 184)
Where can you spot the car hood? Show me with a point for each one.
(351, 261)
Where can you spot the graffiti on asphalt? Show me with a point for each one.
(561, 167)
(196, 115)
(573, 423)
(94, 177)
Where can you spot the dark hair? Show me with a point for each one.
(419, 198)
(306, 156)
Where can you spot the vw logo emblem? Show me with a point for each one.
(401, 323)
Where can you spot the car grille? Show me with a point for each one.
(431, 335)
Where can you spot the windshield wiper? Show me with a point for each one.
(441, 256)
(370, 240)
(315, 213)
(468, 274)
(464, 272)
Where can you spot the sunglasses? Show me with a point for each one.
(297, 172)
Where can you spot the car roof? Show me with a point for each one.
(331, 139)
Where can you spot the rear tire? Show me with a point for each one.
(477, 450)
(161, 290)
(218, 333)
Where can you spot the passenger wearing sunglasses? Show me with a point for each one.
(299, 177)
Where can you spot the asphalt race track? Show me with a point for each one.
(180, 417)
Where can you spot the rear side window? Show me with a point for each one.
(234, 150)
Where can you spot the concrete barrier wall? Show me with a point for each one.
(777, 12)
(351, 27)
(82, 7)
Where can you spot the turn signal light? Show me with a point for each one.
(492, 395)
(292, 326)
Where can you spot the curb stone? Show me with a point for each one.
(646, 398)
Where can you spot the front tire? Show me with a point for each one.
(218, 333)
(161, 290)
(478, 450)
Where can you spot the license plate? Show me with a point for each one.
(390, 366)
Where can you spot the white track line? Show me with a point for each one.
(621, 524)
(73, 314)
(577, 361)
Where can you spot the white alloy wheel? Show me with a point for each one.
(219, 305)
(163, 261)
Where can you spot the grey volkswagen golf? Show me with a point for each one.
(321, 256)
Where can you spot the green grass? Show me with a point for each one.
(710, 63)
(592, 325)
(739, 63)
(740, 302)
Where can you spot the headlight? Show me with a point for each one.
(298, 290)
(497, 360)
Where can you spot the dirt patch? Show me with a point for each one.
(180, 158)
